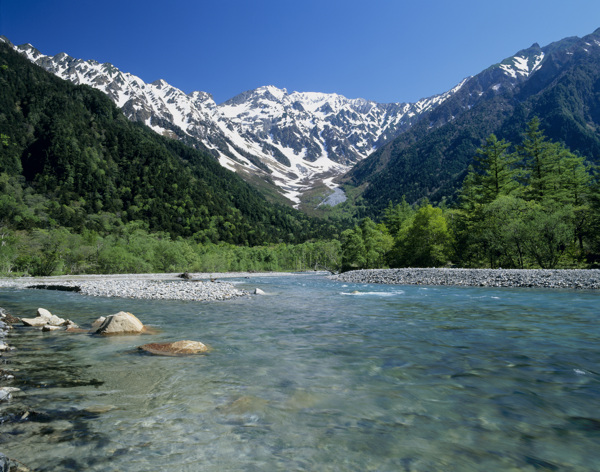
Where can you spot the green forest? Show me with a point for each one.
(534, 204)
(84, 190)
(75, 174)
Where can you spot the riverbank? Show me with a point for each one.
(171, 286)
(140, 286)
(546, 278)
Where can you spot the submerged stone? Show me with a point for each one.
(50, 328)
(4, 463)
(6, 393)
(179, 348)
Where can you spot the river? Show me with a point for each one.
(315, 375)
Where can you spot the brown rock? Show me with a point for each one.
(179, 348)
(10, 319)
(77, 330)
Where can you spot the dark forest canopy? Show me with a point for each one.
(431, 159)
(69, 157)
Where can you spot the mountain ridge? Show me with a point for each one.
(293, 140)
(69, 158)
(296, 142)
(559, 83)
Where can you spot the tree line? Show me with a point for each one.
(531, 205)
(133, 249)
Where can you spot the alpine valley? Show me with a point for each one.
(300, 144)
(292, 142)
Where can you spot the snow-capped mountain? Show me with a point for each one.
(557, 83)
(294, 140)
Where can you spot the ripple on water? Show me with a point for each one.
(311, 378)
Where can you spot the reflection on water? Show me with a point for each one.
(313, 376)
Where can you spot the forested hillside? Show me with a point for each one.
(431, 159)
(528, 204)
(69, 158)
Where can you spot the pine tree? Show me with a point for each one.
(497, 169)
(540, 160)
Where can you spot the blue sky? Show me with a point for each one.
(381, 50)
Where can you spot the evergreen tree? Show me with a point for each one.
(540, 159)
(496, 168)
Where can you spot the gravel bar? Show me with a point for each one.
(546, 278)
(141, 288)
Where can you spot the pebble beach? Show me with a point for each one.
(214, 287)
(202, 287)
(586, 279)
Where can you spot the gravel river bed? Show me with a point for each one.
(544, 278)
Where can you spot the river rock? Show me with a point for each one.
(43, 313)
(179, 348)
(7, 318)
(120, 323)
(6, 393)
(71, 325)
(44, 318)
(96, 324)
(4, 463)
(38, 321)
(50, 328)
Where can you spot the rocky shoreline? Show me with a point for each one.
(546, 278)
(157, 288)
(6, 391)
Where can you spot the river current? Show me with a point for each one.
(315, 375)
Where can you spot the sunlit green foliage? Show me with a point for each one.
(366, 246)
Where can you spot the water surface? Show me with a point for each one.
(316, 375)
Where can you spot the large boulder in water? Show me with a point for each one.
(120, 323)
(179, 348)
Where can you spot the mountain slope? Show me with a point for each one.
(559, 83)
(69, 157)
(294, 141)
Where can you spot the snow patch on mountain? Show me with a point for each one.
(292, 139)
(522, 65)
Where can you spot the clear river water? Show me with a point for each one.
(314, 376)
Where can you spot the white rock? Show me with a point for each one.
(6, 393)
(44, 313)
(44, 318)
(121, 323)
(50, 328)
(38, 322)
